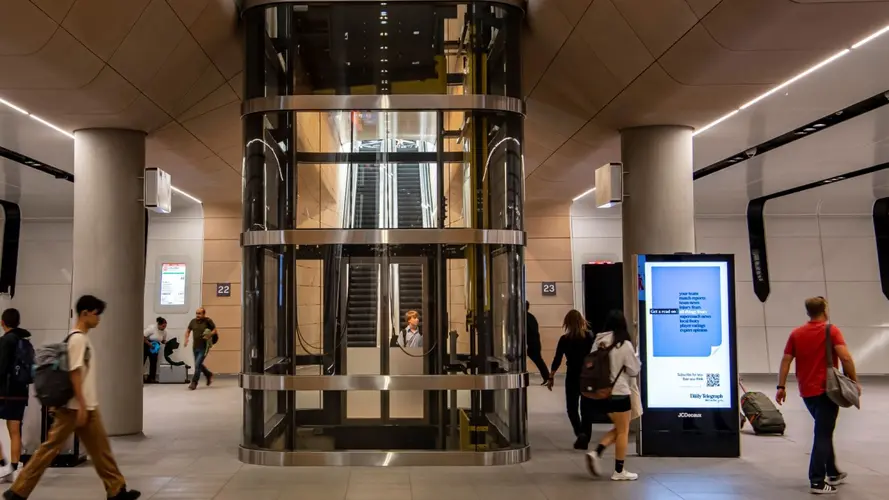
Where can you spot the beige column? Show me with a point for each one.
(658, 208)
(109, 262)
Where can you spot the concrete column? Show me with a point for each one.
(658, 210)
(109, 262)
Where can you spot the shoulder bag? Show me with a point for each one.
(840, 389)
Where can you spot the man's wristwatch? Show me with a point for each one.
(781, 388)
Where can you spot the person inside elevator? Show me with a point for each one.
(532, 341)
(574, 345)
(154, 336)
(411, 336)
(80, 415)
(624, 366)
(16, 357)
(205, 333)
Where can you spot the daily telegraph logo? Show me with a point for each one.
(689, 415)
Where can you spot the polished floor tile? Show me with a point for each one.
(189, 452)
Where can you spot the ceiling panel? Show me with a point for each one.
(102, 25)
(23, 28)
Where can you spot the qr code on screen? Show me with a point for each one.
(712, 380)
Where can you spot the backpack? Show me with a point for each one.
(23, 363)
(595, 374)
(52, 382)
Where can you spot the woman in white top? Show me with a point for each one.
(410, 336)
(153, 333)
(625, 365)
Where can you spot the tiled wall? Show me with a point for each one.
(548, 258)
(180, 233)
(834, 256)
(222, 264)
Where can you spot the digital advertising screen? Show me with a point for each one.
(173, 284)
(687, 328)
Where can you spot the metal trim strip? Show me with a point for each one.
(498, 381)
(403, 102)
(249, 4)
(383, 237)
(379, 458)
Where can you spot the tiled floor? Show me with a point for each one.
(190, 442)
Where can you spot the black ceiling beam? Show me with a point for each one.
(36, 164)
(803, 131)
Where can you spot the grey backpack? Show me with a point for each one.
(52, 382)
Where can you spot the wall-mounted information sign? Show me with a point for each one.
(689, 360)
(548, 288)
(173, 283)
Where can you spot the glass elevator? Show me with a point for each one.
(383, 179)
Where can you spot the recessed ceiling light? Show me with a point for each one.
(819, 125)
(810, 129)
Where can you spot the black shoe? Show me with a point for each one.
(209, 379)
(582, 443)
(10, 495)
(822, 489)
(192, 386)
(126, 494)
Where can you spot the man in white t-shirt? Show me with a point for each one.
(81, 415)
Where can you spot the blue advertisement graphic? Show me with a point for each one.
(686, 310)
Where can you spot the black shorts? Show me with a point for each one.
(614, 404)
(13, 410)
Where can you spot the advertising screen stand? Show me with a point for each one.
(688, 348)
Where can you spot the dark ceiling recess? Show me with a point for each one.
(811, 128)
(36, 164)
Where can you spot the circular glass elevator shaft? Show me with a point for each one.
(383, 180)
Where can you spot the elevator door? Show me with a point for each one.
(380, 292)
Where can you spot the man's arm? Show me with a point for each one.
(212, 326)
(846, 359)
(77, 384)
(187, 335)
(782, 378)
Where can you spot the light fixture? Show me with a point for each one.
(805, 73)
(183, 193)
(69, 134)
(581, 195)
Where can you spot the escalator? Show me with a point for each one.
(407, 189)
(410, 215)
(363, 279)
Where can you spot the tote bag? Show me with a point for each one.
(840, 389)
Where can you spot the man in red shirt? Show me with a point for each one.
(808, 345)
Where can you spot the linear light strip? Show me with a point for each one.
(581, 195)
(183, 193)
(796, 78)
(69, 134)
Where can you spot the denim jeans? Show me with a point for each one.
(199, 356)
(823, 462)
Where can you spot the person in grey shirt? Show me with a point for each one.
(411, 336)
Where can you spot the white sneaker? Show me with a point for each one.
(9, 477)
(625, 475)
(594, 463)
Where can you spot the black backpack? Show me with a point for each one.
(23, 363)
(595, 374)
(52, 381)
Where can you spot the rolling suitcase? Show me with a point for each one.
(761, 412)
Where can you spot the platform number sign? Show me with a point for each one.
(548, 288)
(223, 289)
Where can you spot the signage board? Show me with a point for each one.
(688, 349)
(548, 288)
(223, 289)
(173, 283)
